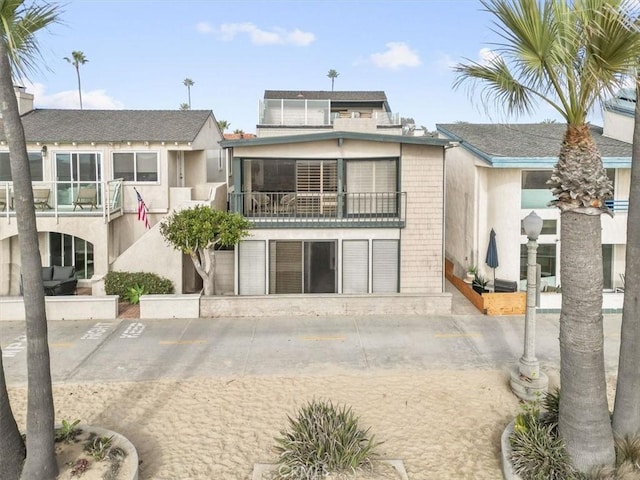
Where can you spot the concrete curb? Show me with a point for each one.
(507, 468)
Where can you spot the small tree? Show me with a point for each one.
(198, 232)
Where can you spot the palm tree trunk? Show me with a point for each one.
(626, 414)
(41, 460)
(79, 86)
(12, 451)
(584, 422)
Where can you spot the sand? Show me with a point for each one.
(442, 424)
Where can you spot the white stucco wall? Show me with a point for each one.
(617, 126)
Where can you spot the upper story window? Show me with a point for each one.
(535, 191)
(136, 166)
(35, 165)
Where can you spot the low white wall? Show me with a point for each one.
(326, 305)
(553, 301)
(170, 306)
(66, 307)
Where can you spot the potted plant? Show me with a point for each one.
(472, 271)
(479, 284)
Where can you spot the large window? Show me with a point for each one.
(546, 258)
(136, 166)
(35, 165)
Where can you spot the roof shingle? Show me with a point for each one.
(526, 140)
(56, 125)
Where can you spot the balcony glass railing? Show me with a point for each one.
(65, 198)
(303, 112)
(325, 207)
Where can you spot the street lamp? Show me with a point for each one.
(527, 381)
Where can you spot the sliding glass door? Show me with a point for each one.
(74, 170)
(302, 267)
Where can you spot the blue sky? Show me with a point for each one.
(140, 52)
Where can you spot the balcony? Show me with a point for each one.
(318, 113)
(68, 198)
(315, 209)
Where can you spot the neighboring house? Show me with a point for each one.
(86, 166)
(341, 202)
(497, 175)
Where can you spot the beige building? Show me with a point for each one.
(341, 202)
(86, 167)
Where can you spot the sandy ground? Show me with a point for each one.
(442, 424)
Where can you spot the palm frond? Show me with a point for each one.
(19, 23)
(569, 55)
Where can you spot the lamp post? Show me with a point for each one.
(527, 381)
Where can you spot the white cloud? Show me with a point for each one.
(91, 100)
(276, 36)
(204, 27)
(487, 56)
(397, 55)
(445, 62)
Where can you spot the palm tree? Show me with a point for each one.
(188, 83)
(185, 106)
(626, 413)
(332, 75)
(77, 59)
(568, 55)
(19, 54)
(223, 125)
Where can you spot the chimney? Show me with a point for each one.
(25, 100)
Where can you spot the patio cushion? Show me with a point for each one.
(63, 273)
(47, 273)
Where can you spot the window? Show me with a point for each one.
(535, 191)
(69, 250)
(549, 227)
(35, 165)
(355, 266)
(302, 267)
(136, 166)
(385, 266)
(546, 258)
(251, 267)
(371, 186)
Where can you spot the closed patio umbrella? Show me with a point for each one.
(492, 255)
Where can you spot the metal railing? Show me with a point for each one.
(328, 208)
(68, 198)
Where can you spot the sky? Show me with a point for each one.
(140, 52)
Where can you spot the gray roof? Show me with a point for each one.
(524, 140)
(52, 125)
(338, 96)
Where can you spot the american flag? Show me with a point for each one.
(142, 211)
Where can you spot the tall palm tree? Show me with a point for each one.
(568, 54)
(77, 59)
(224, 125)
(19, 54)
(626, 413)
(333, 74)
(188, 83)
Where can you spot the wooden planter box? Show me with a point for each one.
(489, 303)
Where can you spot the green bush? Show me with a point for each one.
(120, 283)
(323, 439)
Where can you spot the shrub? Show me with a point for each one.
(120, 283)
(323, 439)
(537, 452)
